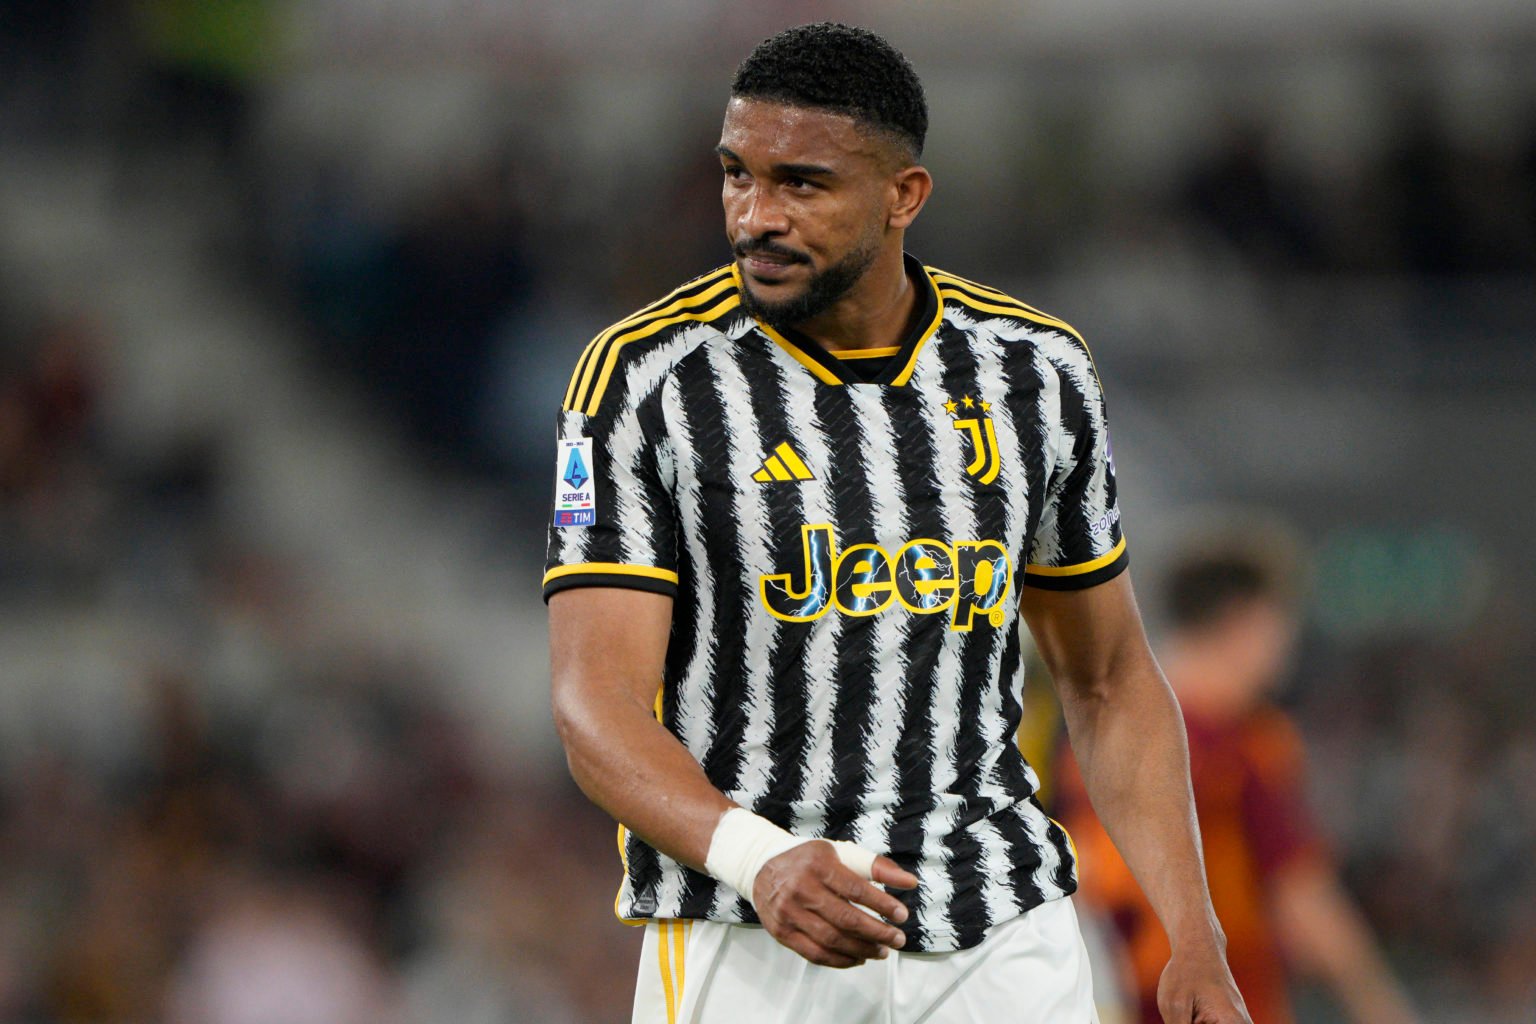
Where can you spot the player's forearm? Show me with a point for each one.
(1128, 737)
(628, 764)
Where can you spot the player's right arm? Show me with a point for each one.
(607, 648)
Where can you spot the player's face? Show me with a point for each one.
(809, 200)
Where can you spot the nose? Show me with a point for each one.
(759, 215)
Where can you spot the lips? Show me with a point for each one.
(767, 257)
(767, 267)
(767, 262)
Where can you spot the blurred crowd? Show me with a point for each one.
(293, 827)
(1429, 204)
(288, 823)
(334, 857)
(1422, 755)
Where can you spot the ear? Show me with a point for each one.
(910, 188)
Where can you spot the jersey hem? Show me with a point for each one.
(1081, 580)
(946, 941)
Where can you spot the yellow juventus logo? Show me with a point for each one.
(977, 425)
(783, 464)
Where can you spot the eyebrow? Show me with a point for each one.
(785, 170)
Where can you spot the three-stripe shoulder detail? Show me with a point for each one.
(985, 299)
(703, 299)
(989, 300)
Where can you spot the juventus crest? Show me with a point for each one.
(971, 416)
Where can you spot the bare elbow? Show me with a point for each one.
(587, 716)
(1099, 683)
(1087, 688)
(569, 715)
(574, 727)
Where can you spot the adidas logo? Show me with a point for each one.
(783, 464)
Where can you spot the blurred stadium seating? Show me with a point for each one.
(288, 293)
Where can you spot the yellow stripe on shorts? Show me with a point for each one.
(664, 952)
(671, 945)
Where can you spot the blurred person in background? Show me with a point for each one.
(1231, 611)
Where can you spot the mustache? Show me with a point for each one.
(769, 247)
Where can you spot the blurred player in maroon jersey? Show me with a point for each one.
(1232, 621)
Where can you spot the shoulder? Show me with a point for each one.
(651, 340)
(1012, 320)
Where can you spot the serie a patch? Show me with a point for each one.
(575, 490)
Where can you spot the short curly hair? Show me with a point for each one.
(843, 69)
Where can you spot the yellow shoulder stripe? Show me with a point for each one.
(1012, 307)
(1077, 570)
(633, 318)
(994, 301)
(582, 375)
(730, 301)
(982, 289)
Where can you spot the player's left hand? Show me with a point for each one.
(1197, 988)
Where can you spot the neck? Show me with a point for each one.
(874, 314)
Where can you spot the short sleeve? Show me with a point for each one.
(612, 518)
(1078, 542)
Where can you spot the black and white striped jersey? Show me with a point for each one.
(844, 536)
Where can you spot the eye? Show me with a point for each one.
(734, 172)
(799, 184)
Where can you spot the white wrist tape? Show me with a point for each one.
(855, 858)
(744, 842)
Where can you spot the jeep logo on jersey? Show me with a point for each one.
(966, 578)
(977, 425)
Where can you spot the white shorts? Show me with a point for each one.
(1030, 970)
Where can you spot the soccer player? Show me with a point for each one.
(1231, 611)
(801, 504)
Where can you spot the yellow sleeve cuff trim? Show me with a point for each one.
(610, 569)
(1077, 570)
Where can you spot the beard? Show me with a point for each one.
(821, 292)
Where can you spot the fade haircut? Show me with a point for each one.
(842, 69)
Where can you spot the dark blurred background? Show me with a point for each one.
(288, 296)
